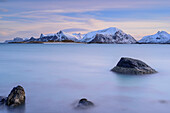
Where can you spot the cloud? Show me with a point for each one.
(3, 0)
(3, 10)
(76, 10)
(68, 6)
(12, 34)
(75, 30)
(3, 33)
(26, 33)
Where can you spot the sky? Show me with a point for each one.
(27, 18)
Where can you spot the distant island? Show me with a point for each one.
(110, 35)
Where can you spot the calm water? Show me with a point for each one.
(55, 76)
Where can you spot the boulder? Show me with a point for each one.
(16, 96)
(84, 104)
(132, 66)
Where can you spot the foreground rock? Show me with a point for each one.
(84, 104)
(132, 66)
(16, 97)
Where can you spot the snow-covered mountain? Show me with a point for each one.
(160, 37)
(58, 37)
(17, 39)
(109, 35)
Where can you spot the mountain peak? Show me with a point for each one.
(162, 32)
(111, 30)
(41, 36)
(61, 32)
(108, 35)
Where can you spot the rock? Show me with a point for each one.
(163, 101)
(16, 97)
(2, 100)
(132, 66)
(84, 104)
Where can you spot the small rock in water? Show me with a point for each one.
(132, 66)
(2, 100)
(84, 104)
(16, 97)
(163, 101)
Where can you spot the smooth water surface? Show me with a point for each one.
(55, 76)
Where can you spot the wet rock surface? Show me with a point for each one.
(16, 96)
(132, 66)
(84, 104)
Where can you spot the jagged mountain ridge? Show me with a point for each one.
(109, 35)
(59, 36)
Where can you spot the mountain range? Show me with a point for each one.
(110, 35)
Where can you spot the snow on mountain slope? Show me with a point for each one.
(79, 36)
(159, 37)
(17, 39)
(66, 36)
(109, 35)
(59, 36)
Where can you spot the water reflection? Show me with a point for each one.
(18, 109)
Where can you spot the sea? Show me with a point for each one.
(56, 76)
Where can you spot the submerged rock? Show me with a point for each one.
(84, 104)
(163, 101)
(16, 97)
(132, 66)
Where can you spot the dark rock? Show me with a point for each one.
(2, 100)
(84, 104)
(16, 97)
(163, 101)
(132, 66)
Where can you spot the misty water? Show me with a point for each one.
(56, 76)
